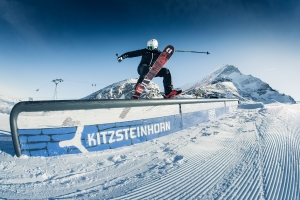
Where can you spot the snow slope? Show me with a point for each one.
(220, 90)
(6, 104)
(124, 90)
(4, 122)
(248, 154)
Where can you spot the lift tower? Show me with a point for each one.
(56, 81)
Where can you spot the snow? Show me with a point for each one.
(4, 123)
(251, 153)
(6, 104)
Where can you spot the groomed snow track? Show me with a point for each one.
(247, 154)
(261, 161)
(225, 172)
(280, 142)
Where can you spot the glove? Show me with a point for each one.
(120, 59)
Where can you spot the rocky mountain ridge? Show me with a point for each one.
(225, 82)
(250, 87)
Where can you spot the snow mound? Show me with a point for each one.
(124, 90)
(6, 104)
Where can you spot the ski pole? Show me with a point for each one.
(191, 51)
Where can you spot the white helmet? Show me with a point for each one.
(152, 44)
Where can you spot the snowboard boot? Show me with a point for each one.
(173, 93)
(137, 92)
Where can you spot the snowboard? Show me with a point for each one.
(156, 67)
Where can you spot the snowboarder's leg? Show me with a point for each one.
(142, 71)
(166, 74)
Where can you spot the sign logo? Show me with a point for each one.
(76, 141)
(105, 137)
(109, 137)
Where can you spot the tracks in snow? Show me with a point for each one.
(280, 140)
(250, 161)
(223, 166)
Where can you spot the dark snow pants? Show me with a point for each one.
(164, 72)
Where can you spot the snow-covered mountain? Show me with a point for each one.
(124, 90)
(224, 82)
(229, 81)
(217, 90)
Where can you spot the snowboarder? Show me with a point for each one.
(149, 57)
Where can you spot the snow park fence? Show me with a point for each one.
(50, 128)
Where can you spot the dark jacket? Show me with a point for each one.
(148, 56)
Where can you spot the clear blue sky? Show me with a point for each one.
(77, 42)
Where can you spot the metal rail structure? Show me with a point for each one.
(68, 105)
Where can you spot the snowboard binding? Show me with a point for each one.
(173, 94)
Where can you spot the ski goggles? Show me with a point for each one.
(151, 47)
